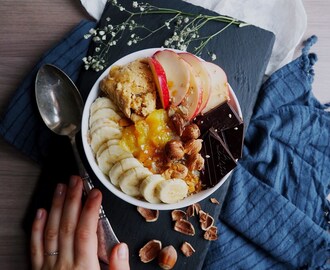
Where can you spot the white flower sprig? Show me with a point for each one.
(184, 26)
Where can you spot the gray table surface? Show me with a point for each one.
(27, 29)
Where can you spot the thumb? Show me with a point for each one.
(119, 258)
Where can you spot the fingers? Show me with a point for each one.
(53, 224)
(69, 220)
(86, 237)
(37, 239)
(119, 258)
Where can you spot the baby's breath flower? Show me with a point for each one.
(184, 27)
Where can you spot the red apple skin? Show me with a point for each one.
(198, 66)
(177, 74)
(161, 81)
(219, 86)
(192, 102)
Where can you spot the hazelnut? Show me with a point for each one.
(187, 249)
(174, 150)
(192, 209)
(167, 257)
(193, 146)
(206, 221)
(148, 214)
(178, 122)
(150, 251)
(191, 131)
(177, 170)
(195, 162)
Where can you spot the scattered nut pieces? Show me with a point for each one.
(185, 227)
(211, 234)
(192, 147)
(191, 131)
(205, 220)
(178, 214)
(149, 214)
(214, 200)
(187, 249)
(167, 257)
(174, 150)
(150, 251)
(192, 209)
(195, 162)
(177, 170)
(178, 122)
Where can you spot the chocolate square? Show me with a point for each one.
(221, 117)
(218, 159)
(234, 138)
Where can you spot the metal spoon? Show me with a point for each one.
(60, 106)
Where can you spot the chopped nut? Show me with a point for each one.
(193, 146)
(185, 227)
(178, 122)
(167, 257)
(178, 214)
(187, 249)
(149, 214)
(195, 162)
(211, 234)
(191, 131)
(214, 200)
(197, 207)
(177, 170)
(205, 220)
(150, 251)
(174, 150)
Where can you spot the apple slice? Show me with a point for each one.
(190, 105)
(161, 81)
(177, 74)
(201, 70)
(219, 86)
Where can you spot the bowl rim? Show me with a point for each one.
(93, 94)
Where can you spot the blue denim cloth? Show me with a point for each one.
(275, 215)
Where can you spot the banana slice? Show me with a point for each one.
(172, 190)
(102, 135)
(148, 188)
(103, 122)
(105, 145)
(122, 166)
(101, 103)
(117, 153)
(106, 113)
(130, 180)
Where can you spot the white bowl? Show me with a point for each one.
(94, 93)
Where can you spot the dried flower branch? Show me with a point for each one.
(184, 26)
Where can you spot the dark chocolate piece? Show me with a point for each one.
(221, 117)
(233, 137)
(218, 159)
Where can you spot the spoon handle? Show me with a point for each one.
(105, 234)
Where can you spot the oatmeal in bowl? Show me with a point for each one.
(162, 129)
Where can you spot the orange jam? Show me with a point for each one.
(146, 139)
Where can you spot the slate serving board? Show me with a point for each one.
(243, 52)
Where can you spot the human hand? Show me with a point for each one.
(66, 238)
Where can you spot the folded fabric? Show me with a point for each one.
(276, 214)
(21, 124)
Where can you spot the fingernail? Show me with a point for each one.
(73, 181)
(122, 252)
(59, 189)
(94, 193)
(39, 214)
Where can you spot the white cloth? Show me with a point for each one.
(286, 19)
